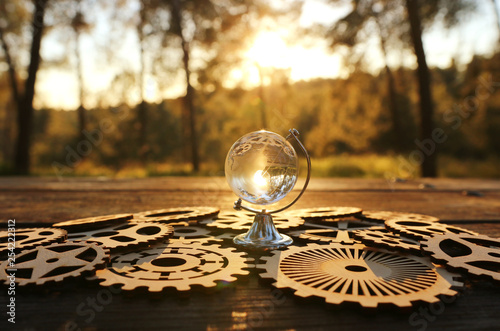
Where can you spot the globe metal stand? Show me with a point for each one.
(263, 235)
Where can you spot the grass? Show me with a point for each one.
(358, 166)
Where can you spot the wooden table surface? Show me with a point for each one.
(249, 303)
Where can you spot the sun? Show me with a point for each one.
(269, 50)
(277, 49)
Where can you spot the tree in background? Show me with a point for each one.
(24, 98)
(394, 32)
(206, 26)
(79, 25)
(428, 166)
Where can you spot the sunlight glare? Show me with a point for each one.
(259, 179)
(269, 50)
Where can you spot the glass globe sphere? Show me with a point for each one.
(261, 167)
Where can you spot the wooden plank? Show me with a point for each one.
(217, 183)
(249, 303)
(57, 206)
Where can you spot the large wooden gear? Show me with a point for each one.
(324, 213)
(30, 238)
(174, 265)
(175, 215)
(355, 273)
(92, 223)
(419, 230)
(126, 235)
(478, 255)
(341, 231)
(382, 216)
(240, 221)
(384, 238)
(55, 263)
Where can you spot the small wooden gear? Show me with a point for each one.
(324, 213)
(92, 223)
(419, 230)
(174, 265)
(478, 255)
(355, 273)
(30, 238)
(175, 215)
(190, 234)
(55, 263)
(384, 238)
(382, 216)
(125, 235)
(236, 221)
(341, 231)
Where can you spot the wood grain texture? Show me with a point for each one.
(43, 200)
(247, 303)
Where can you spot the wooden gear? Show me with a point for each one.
(422, 229)
(30, 238)
(355, 273)
(92, 223)
(192, 234)
(174, 265)
(236, 221)
(126, 235)
(55, 263)
(384, 238)
(324, 213)
(341, 231)
(478, 255)
(382, 216)
(174, 215)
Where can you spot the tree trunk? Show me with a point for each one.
(189, 98)
(25, 104)
(428, 166)
(9, 117)
(497, 18)
(82, 112)
(142, 115)
(12, 69)
(261, 97)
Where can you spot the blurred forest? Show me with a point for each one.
(399, 121)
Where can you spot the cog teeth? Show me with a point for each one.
(296, 260)
(70, 253)
(137, 269)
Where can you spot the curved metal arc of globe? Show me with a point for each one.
(293, 134)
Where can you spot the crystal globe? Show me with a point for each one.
(261, 167)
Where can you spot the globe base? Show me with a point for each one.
(262, 235)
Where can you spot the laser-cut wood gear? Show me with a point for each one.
(384, 238)
(324, 213)
(91, 223)
(55, 263)
(126, 235)
(478, 255)
(356, 273)
(30, 238)
(173, 216)
(192, 234)
(341, 231)
(174, 265)
(238, 221)
(419, 230)
(382, 216)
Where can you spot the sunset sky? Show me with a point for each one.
(57, 88)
